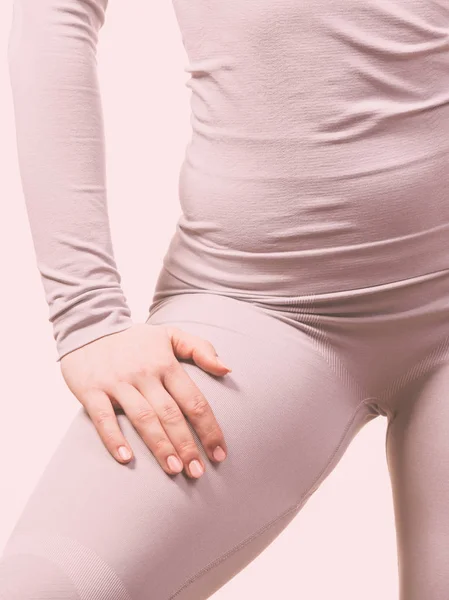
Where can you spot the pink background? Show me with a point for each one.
(343, 541)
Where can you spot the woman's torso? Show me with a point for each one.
(319, 152)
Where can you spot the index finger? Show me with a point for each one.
(99, 407)
(197, 409)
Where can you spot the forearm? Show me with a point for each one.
(60, 143)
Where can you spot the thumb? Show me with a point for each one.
(201, 351)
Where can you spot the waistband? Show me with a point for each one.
(307, 272)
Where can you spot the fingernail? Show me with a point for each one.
(124, 453)
(174, 463)
(195, 468)
(222, 365)
(219, 453)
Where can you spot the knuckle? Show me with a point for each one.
(213, 435)
(108, 436)
(145, 416)
(187, 447)
(170, 413)
(89, 394)
(160, 445)
(182, 345)
(169, 366)
(199, 407)
(118, 387)
(101, 417)
(141, 371)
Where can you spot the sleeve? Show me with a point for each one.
(61, 156)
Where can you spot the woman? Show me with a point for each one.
(311, 257)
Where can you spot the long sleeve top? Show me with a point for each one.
(61, 153)
(318, 128)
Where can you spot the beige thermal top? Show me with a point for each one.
(320, 132)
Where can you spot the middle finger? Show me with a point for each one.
(174, 424)
(198, 410)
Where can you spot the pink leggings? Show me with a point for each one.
(308, 373)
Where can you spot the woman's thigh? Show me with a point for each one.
(418, 460)
(94, 528)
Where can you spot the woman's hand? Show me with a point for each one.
(137, 369)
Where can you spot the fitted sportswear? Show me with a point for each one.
(312, 252)
(306, 377)
(303, 116)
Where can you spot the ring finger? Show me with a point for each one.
(146, 421)
(175, 425)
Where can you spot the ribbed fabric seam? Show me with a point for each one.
(324, 348)
(412, 373)
(79, 563)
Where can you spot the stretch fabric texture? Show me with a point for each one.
(306, 377)
(312, 250)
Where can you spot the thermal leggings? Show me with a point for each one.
(308, 372)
